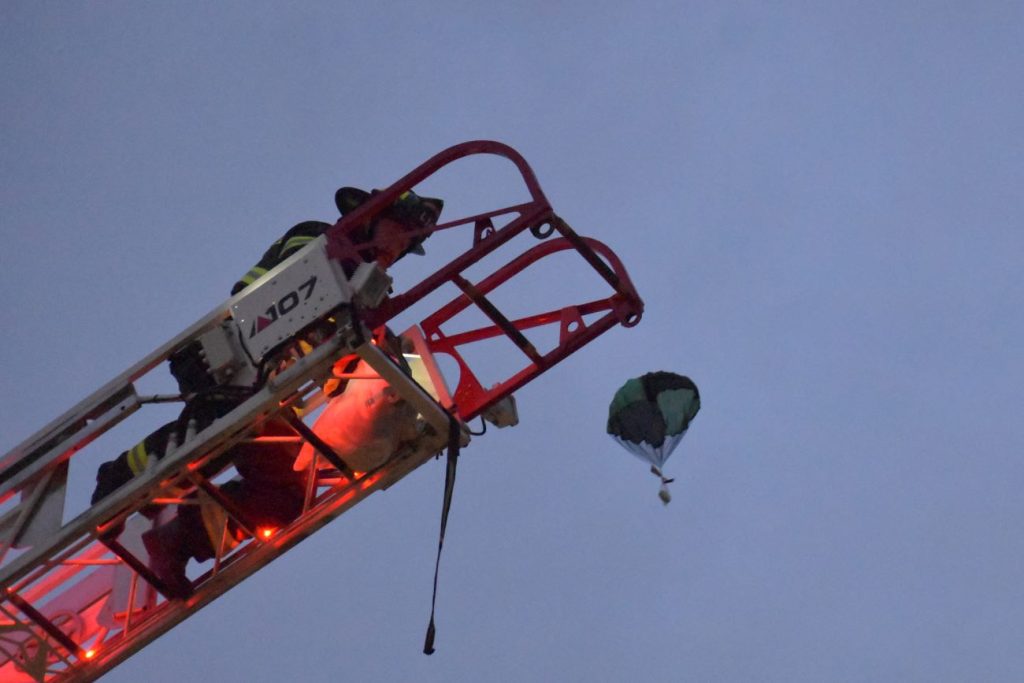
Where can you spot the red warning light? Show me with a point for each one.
(266, 532)
(89, 654)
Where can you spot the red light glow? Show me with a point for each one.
(266, 532)
(89, 654)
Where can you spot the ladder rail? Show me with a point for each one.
(35, 447)
(212, 441)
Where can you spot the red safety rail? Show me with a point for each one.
(622, 306)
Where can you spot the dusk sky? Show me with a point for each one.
(820, 204)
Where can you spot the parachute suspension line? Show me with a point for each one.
(640, 450)
(454, 440)
(665, 450)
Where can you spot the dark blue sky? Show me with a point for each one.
(821, 208)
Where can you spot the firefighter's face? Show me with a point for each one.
(391, 238)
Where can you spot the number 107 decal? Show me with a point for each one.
(283, 306)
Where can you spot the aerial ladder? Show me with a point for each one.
(77, 596)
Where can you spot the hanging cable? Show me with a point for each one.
(454, 438)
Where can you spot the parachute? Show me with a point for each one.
(649, 416)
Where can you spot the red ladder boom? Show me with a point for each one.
(77, 598)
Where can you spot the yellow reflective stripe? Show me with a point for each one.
(137, 458)
(253, 275)
(130, 457)
(296, 242)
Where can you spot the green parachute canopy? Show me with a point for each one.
(649, 416)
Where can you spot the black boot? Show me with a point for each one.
(168, 556)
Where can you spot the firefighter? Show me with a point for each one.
(270, 490)
(389, 230)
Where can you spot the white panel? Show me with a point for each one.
(300, 290)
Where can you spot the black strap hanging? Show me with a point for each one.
(454, 437)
